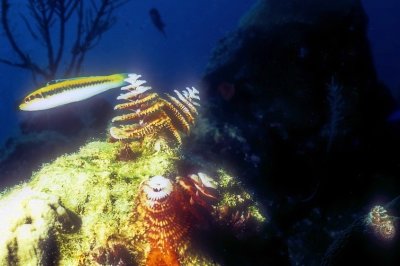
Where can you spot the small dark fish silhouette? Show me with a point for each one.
(157, 21)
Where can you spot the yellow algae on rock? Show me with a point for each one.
(91, 183)
(236, 197)
(237, 209)
(101, 190)
(81, 209)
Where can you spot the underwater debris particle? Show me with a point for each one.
(381, 223)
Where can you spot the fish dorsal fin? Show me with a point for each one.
(54, 81)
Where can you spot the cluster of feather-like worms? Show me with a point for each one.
(381, 222)
(147, 114)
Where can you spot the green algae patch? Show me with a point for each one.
(100, 190)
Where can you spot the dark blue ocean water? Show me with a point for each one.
(135, 45)
(192, 28)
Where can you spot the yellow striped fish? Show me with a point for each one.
(64, 91)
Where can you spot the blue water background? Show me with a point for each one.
(193, 28)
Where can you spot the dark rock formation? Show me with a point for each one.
(294, 93)
(294, 105)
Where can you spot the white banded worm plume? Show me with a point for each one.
(149, 114)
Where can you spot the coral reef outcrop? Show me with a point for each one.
(29, 223)
(93, 217)
(123, 209)
(301, 82)
(295, 105)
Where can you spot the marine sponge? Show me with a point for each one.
(28, 224)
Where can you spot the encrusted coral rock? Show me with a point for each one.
(237, 208)
(28, 223)
(268, 79)
(102, 193)
(126, 217)
(115, 252)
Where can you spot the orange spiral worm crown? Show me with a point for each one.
(148, 114)
(170, 211)
(166, 227)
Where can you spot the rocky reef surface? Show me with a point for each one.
(30, 220)
(295, 84)
(81, 209)
(294, 105)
